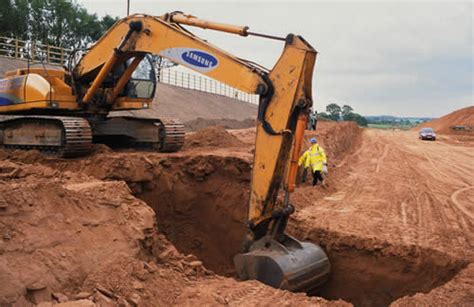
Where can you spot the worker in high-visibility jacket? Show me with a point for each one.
(314, 159)
(304, 161)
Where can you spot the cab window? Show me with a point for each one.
(142, 84)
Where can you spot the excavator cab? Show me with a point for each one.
(142, 83)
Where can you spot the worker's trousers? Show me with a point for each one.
(305, 174)
(317, 176)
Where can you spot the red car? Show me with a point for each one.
(427, 134)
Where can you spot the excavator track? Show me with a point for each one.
(171, 135)
(156, 134)
(53, 135)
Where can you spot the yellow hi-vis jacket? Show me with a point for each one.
(314, 157)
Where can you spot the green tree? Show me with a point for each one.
(334, 111)
(359, 119)
(324, 116)
(14, 18)
(6, 10)
(346, 110)
(61, 23)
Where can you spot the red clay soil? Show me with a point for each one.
(396, 222)
(58, 227)
(396, 190)
(442, 125)
(213, 136)
(338, 140)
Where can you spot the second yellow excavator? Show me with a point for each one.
(63, 111)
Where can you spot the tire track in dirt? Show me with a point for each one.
(460, 205)
(382, 157)
(351, 156)
(436, 188)
(461, 179)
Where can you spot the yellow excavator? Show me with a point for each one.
(63, 111)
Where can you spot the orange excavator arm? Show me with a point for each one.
(141, 34)
(285, 99)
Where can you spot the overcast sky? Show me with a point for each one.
(391, 58)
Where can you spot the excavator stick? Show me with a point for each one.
(278, 259)
(272, 256)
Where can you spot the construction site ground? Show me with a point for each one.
(143, 228)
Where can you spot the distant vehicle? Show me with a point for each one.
(427, 134)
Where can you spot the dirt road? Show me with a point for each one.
(403, 190)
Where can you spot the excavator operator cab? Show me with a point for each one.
(142, 83)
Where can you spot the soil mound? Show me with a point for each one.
(58, 227)
(337, 138)
(228, 123)
(444, 125)
(214, 136)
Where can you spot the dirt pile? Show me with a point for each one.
(443, 125)
(58, 227)
(228, 123)
(214, 136)
(337, 139)
(200, 201)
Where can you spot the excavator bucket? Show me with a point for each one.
(285, 264)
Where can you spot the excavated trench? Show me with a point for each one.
(201, 205)
(371, 273)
